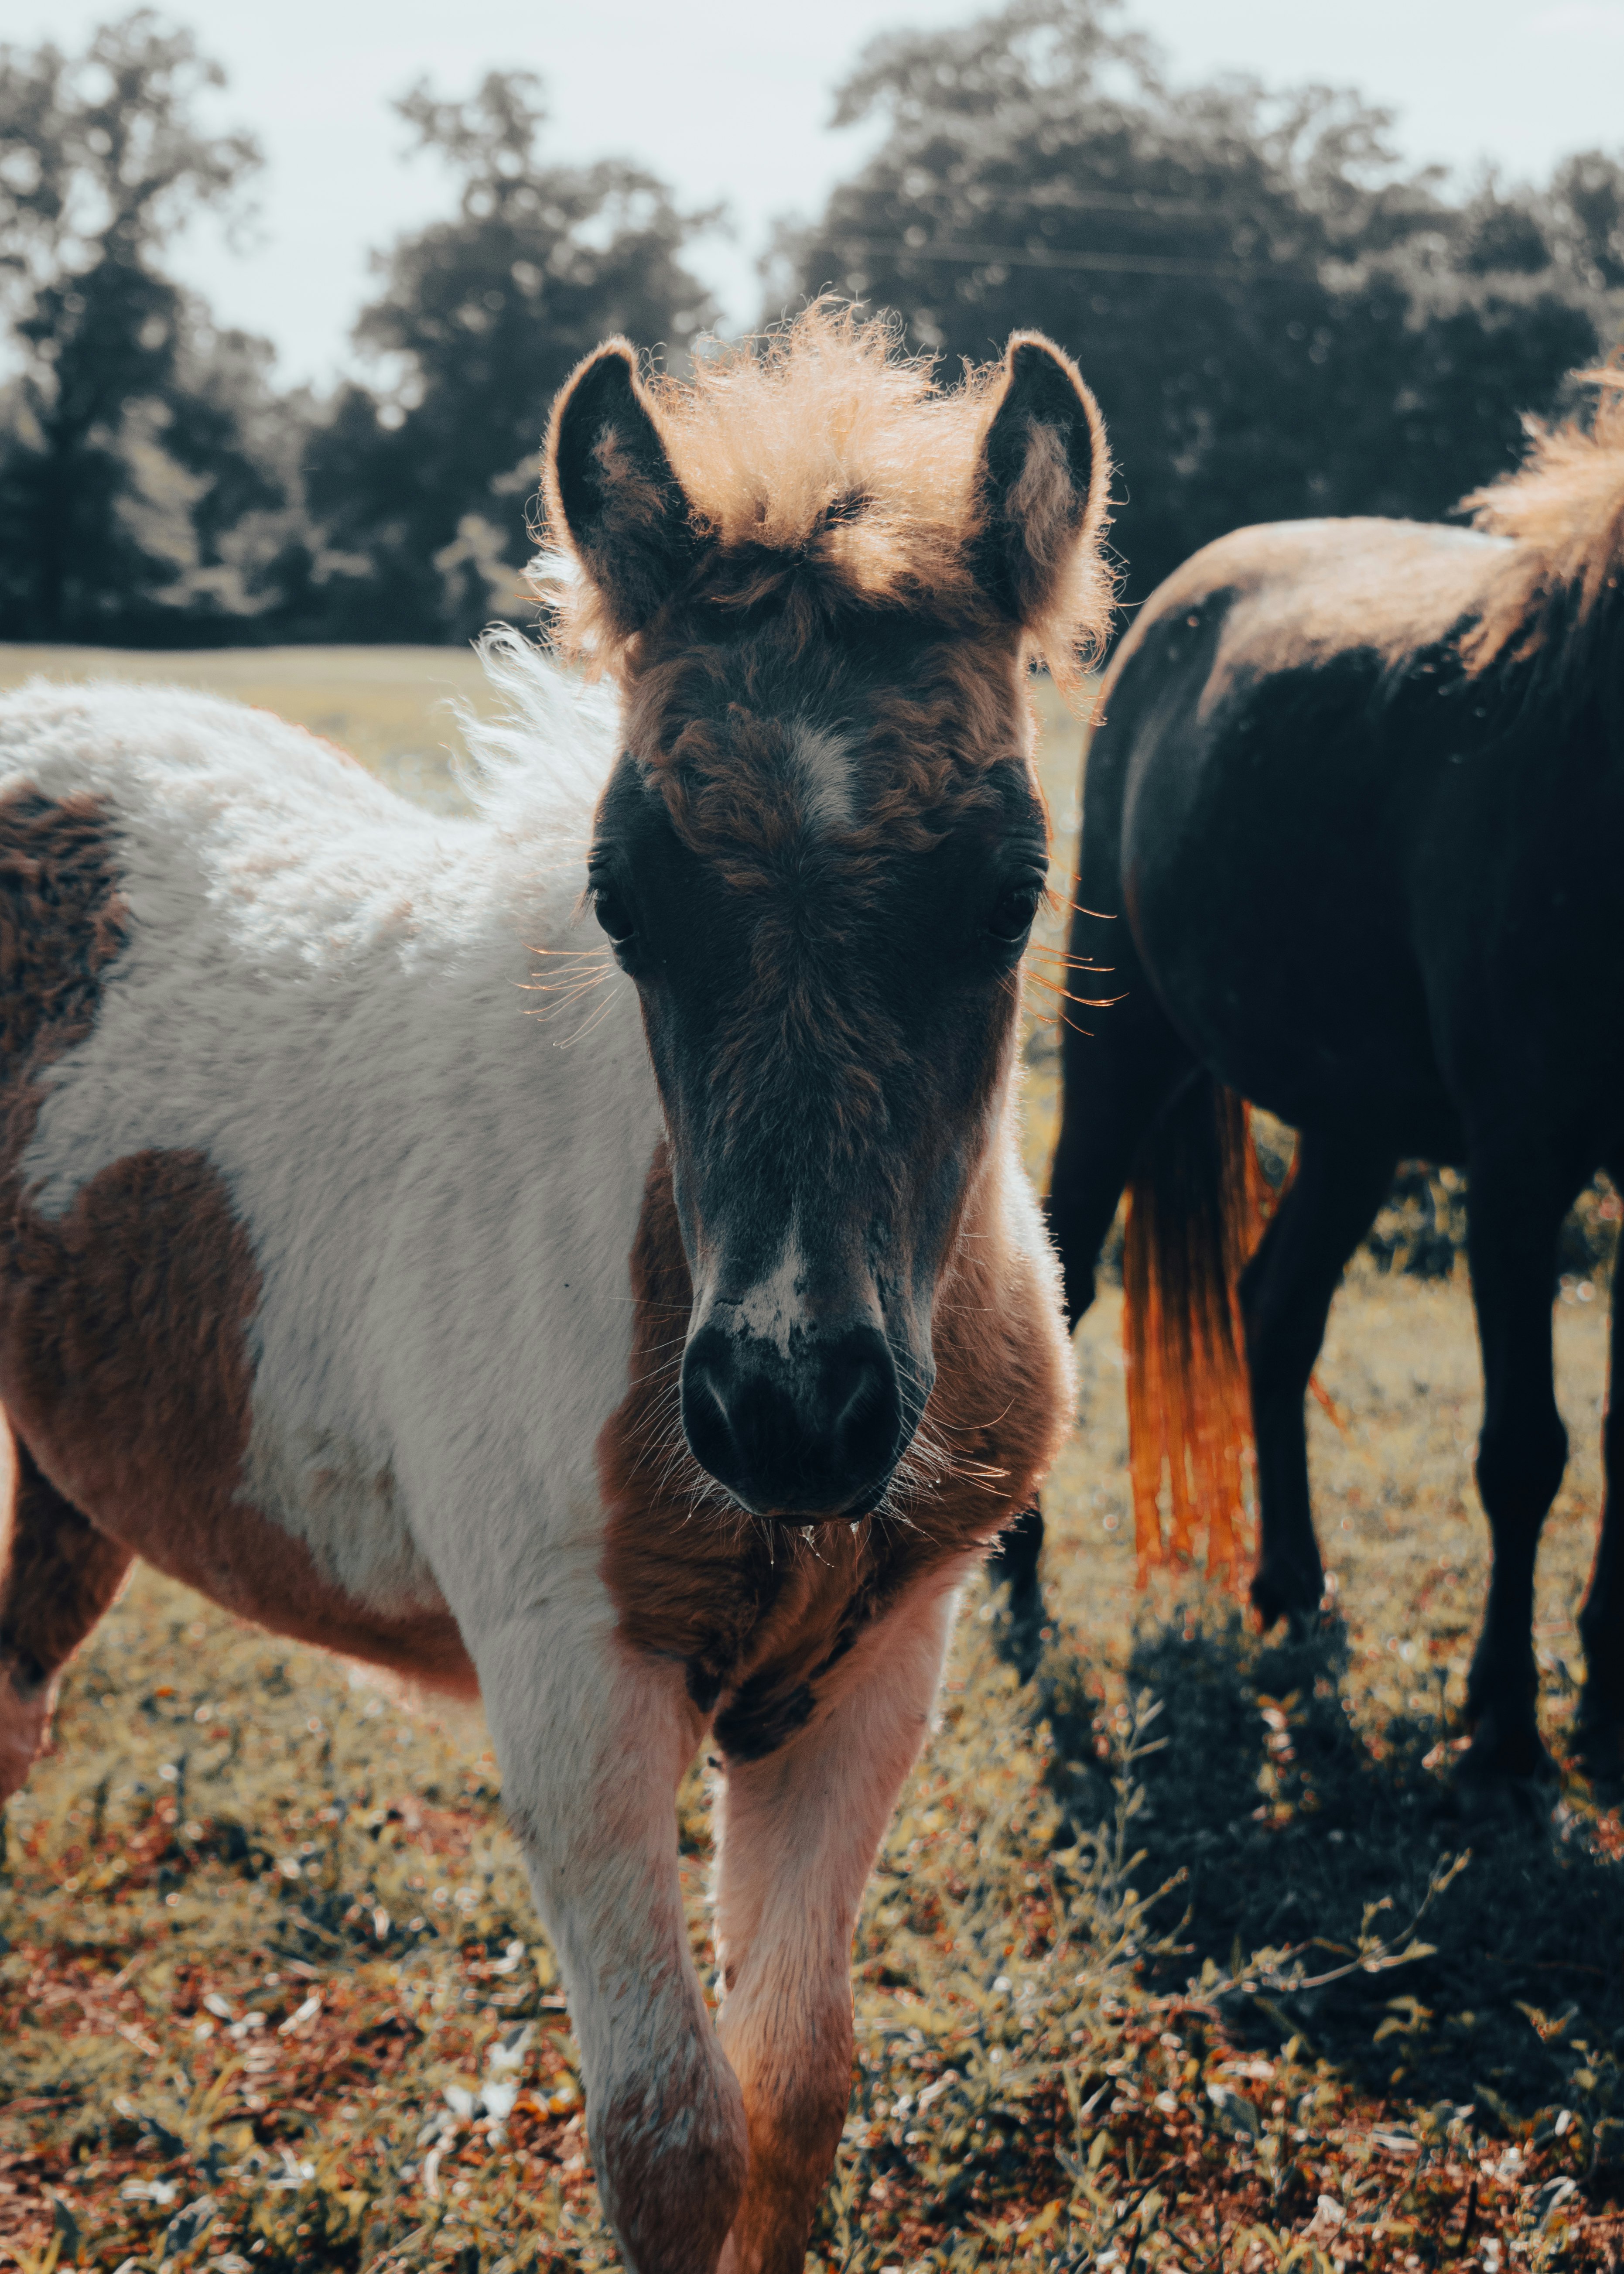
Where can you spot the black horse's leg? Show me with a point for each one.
(1514, 1213)
(1598, 1738)
(1286, 1293)
(1116, 1085)
(1014, 1563)
(1117, 1082)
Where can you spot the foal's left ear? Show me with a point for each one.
(611, 486)
(1043, 477)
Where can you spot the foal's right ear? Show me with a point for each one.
(1043, 479)
(610, 486)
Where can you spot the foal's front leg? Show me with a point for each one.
(592, 1737)
(798, 1831)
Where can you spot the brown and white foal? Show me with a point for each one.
(658, 1387)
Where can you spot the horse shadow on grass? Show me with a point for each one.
(1309, 1853)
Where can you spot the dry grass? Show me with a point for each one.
(1092, 2031)
(385, 706)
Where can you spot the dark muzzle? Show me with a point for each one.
(811, 1435)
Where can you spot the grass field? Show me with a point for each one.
(1184, 1957)
(388, 706)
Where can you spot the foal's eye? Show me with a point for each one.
(612, 914)
(1012, 913)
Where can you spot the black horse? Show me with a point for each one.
(1353, 830)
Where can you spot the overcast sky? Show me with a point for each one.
(729, 100)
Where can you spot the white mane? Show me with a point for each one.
(536, 769)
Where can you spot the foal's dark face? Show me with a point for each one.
(819, 855)
(828, 980)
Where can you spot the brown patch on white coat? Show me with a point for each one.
(124, 1372)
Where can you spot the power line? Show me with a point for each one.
(1110, 264)
(1146, 202)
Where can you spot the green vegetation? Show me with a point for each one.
(1185, 1958)
(426, 492)
(1281, 314)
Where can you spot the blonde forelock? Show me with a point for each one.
(821, 451)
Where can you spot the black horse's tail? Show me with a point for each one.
(1195, 1206)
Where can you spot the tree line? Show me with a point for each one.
(1279, 316)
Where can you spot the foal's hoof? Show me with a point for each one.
(1285, 1590)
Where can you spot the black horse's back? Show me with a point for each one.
(1255, 802)
(1352, 824)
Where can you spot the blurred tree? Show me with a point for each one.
(425, 483)
(1279, 318)
(1588, 199)
(126, 460)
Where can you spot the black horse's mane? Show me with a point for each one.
(1553, 604)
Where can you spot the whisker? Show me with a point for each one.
(546, 1013)
(667, 1365)
(596, 1020)
(568, 991)
(1064, 955)
(1086, 1002)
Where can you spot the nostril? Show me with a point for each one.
(861, 1399)
(866, 1399)
(707, 1420)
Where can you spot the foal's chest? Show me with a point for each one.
(762, 1614)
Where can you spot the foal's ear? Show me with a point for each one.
(611, 486)
(1043, 476)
